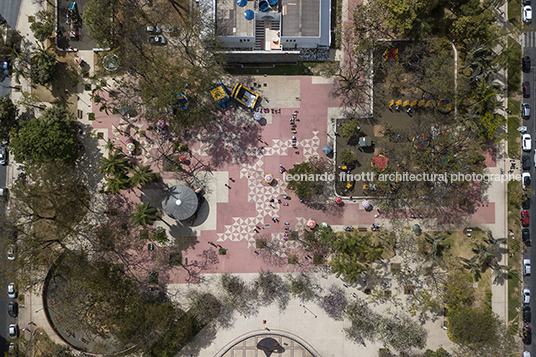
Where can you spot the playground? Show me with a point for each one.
(410, 98)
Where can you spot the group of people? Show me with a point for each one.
(293, 127)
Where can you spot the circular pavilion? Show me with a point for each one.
(180, 202)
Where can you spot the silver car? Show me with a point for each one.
(11, 291)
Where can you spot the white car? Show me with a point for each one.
(525, 179)
(11, 291)
(526, 142)
(526, 266)
(526, 354)
(526, 296)
(13, 331)
(527, 13)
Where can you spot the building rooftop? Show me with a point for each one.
(230, 20)
(300, 18)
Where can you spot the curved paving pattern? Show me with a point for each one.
(247, 347)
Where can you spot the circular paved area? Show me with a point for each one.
(247, 347)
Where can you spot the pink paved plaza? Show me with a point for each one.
(234, 149)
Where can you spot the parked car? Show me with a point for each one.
(11, 252)
(526, 203)
(13, 330)
(13, 309)
(526, 266)
(527, 13)
(526, 314)
(11, 349)
(526, 2)
(11, 291)
(526, 142)
(525, 64)
(5, 68)
(3, 156)
(527, 335)
(525, 218)
(525, 110)
(525, 177)
(154, 29)
(526, 89)
(526, 354)
(157, 40)
(526, 296)
(525, 236)
(525, 162)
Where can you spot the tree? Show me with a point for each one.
(144, 215)
(307, 180)
(116, 164)
(301, 287)
(469, 325)
(401, 333)
(8, 117)
(237, 296)
(115, 184)
(43, 66)
(347, 157)
(49, 138)
(48, 209)
(436, 247)
(350, 128)
(270, 288)
(142, 175)
(44, 26)
(334, 303)
(99, 17)
(362, 319)
(459, 290)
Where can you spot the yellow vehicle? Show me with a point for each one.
(245, 96)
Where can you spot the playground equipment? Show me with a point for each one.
(220, 95)
(245, 96)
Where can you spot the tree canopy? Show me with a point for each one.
(8, 117)
(49, 138)
(43, 67)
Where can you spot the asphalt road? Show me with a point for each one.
(4, 263)
(529, 49)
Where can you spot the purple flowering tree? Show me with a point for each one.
(334, 303)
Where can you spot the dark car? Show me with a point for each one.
(525, 162)
(526, 90)
(525, 221)
(525, 236)
(526, 2)
(526, 203)
(527, 335)
(13, 309)
(526, 314)
(525, 64)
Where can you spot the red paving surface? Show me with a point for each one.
(241, 256)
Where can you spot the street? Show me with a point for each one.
(529, 49)
(9, 10)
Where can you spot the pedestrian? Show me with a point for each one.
(279, 200)
(376, 215)
(272, 200)
(412, 215)
(259, 138)
(226, 185)
(285, 204)
(230, 178)
(420, 216)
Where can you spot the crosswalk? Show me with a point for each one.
(528, 39)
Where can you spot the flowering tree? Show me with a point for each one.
(334, 303)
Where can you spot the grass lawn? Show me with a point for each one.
(514, 11)
(514, 262)
(514, 138)
(514, 66)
